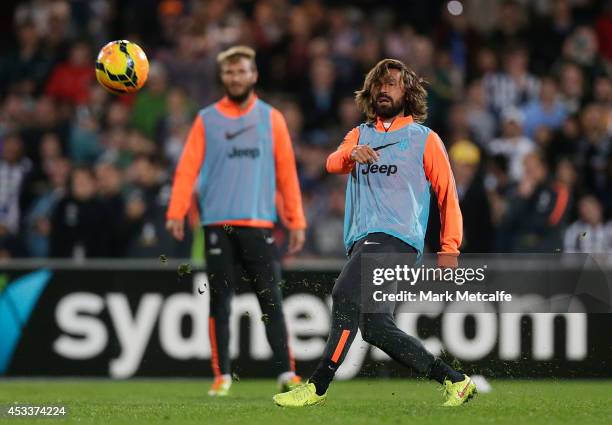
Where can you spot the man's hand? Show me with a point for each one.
(448, 260)
(364, 154)
(176, 228)
(296, 241)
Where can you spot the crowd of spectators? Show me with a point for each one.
(520, 92)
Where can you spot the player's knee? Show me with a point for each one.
(376, 332)
(370, 332)
(372, 337)
(368, 335)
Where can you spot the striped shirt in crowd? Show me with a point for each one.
(12, 177)
(503, 92)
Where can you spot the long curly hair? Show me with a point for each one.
(415, 96)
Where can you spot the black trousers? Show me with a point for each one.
(378, 329)
(254, 249)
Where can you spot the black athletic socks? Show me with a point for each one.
(322, 376)
(440, 371)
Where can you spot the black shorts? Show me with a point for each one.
(348, 284)
(229, 246)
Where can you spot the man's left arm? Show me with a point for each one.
(438, 172)
(287, 182)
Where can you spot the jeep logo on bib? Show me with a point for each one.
(242, 153)
(380, 169)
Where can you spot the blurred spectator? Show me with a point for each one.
(138, 144)
(475, 208)
(566, 173)
(543, 139)
(435, 68)
(602, 91)
(14, 113)
(59, 27)
(46, 117)
(512, 144)
(49, 150)
(594, 153)
(85, 145)
(110, 181)
(498, 186)
(535, 211)
(326, 217)
(550, 32)
(150, 104)
(580, 47)
(172, 129)
(14, 173)
(80, 223)
(38, 219)
(482, 14)
(51, 20)
(511, 26)
(191, 65)
(546, 111)
(296, 46)
(457, 36)
(486, 62)
(294, 118)
(572, 87)
(514, 86)
(99, 100)
(480, 119)
(565, 141)
(312, 165)
(457, 126)
(147, 201)
(117, 116)
(25, 68)
(70, 81)
(588, 234)
(350, 115)
(321, 96)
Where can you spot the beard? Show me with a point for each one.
(241, 96)
(389, 110)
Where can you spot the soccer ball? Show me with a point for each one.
(122, 67)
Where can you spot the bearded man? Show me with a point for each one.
(239, 152)
(392, 162)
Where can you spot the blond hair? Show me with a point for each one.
(236, 52)
(415, 97)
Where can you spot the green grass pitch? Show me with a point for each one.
(360, 401)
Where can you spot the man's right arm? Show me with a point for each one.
(340, 162)
(187, 171)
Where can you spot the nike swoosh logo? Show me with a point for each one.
(230, 136)
(461, 393)
(385, 146)
(371, 243)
